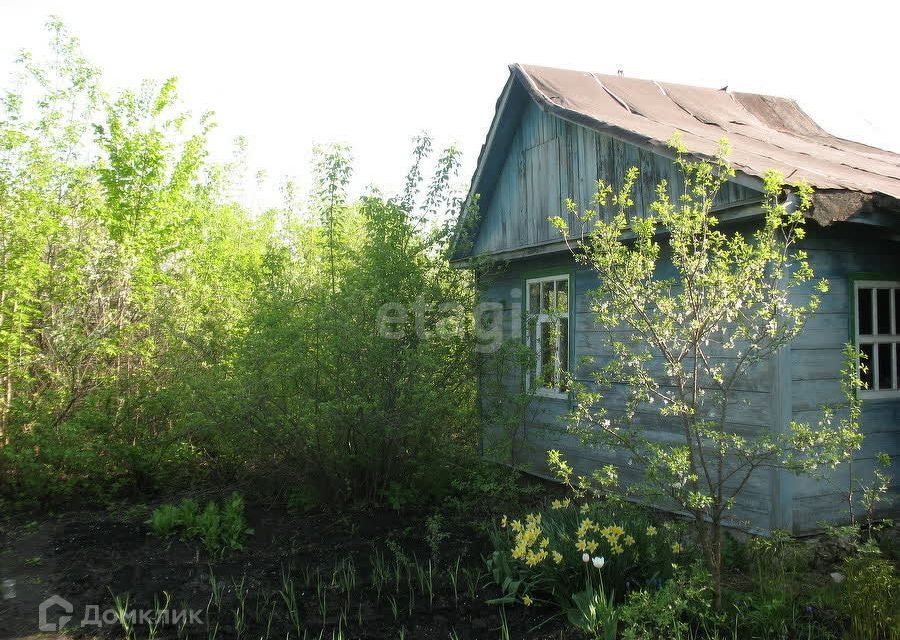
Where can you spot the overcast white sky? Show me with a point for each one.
(373, 74)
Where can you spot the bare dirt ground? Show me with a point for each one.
(87, 556)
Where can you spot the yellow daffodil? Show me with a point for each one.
(587, 525)
(533, 558)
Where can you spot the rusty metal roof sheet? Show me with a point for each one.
(765, 132)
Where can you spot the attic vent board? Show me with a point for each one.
(543, 195)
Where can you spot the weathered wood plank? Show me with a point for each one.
(583, 156)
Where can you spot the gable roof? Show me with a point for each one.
(765, 132)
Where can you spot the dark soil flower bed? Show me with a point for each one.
(88, 557)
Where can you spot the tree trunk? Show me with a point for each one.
(711, 543)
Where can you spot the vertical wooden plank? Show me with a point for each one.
(647, 184)
(556, 159)
(589, 169)
(571, 153)
(569, 186)
(632, 159)
(520, 209)
(782, 482)
(604, 164)
(617, 164)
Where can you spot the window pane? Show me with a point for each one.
(547, 297)
(865, 365)
(864, 307)
(562, 296)
(884, 311)
(896, 296)
(897, 363)
(530, 332)
(534, 297)
(547, 355)
(885, 366)
(563, 348)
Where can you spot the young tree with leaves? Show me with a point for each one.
(681, 346)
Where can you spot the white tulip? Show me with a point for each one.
(599, 562)
(586, 557)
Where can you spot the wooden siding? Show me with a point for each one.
(546, 419)
(550, 160)
(795, 385)
(836, 253)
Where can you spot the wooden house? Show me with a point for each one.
(556, 132)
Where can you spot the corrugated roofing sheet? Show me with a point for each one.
(765, 132)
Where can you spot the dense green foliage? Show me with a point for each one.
(681, 608)
(220, 529)
(154, 332)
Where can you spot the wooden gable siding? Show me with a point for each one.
(550, 160)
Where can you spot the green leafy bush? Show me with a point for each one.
(233, 525)
(219, 529)
(163, 333)
(165, 520)
(188, 512)
(677, 610)
(872, 598)
(767, 615)
(208, 526)
(777, 561)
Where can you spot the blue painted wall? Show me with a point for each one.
(550, 160)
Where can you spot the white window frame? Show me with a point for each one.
(540, 317)
(876, 338)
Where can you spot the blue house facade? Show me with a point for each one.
(557, 132)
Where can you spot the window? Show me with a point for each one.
(547, 317)
(877, 304)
